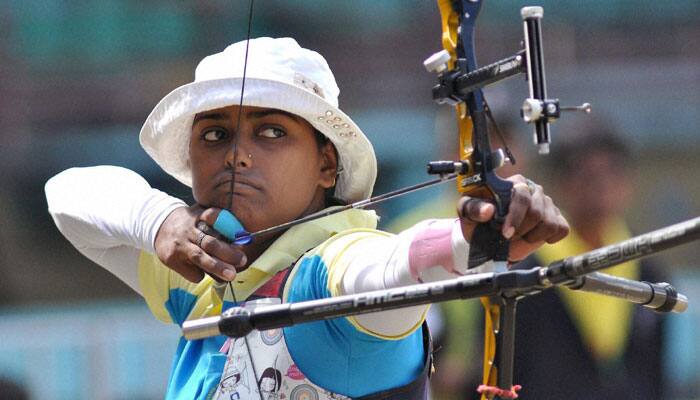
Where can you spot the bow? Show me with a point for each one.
(459, 84)
(476, 167)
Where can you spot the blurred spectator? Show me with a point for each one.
(570, 344)
(573, 345)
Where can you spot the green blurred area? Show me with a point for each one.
(103, 33)
(97, 33)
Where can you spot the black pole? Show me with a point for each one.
(239, 321)
(566, 270)
(505, 345)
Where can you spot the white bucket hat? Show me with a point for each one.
(280, 75)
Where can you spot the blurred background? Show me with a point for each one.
(78, 78)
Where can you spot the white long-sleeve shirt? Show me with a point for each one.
(112, 216)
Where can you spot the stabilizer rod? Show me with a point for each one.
(239, 321)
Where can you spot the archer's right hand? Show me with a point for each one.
(190, 252)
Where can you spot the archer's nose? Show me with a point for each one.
(239, 157)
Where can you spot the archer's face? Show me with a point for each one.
(280, 170)
(598, 188)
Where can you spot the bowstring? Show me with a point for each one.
(234, 148)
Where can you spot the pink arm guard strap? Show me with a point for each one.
(431, 247)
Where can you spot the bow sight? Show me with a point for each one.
(456, 83)
(459, 85)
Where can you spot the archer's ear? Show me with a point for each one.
(329, 165)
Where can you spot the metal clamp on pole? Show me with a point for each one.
(661, 297)
(234, 322)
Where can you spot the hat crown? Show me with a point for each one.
(279, 75)
(276, 59)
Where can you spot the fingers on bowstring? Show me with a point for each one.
(190, 272)
(210, 215)
(199, 252)
(215, 246)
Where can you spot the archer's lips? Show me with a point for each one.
(240, 183)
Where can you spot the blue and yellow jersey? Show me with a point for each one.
(338, 355)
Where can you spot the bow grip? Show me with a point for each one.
(487, 241)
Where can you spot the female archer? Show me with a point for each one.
(270, 147)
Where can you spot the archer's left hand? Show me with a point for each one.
(532, 218)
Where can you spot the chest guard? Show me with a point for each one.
(278, 377)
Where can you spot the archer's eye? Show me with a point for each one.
(272, 133)
(213, 135)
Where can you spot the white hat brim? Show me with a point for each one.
(166, 133)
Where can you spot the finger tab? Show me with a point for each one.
(228, 225)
